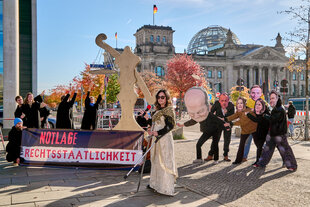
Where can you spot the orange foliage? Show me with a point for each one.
(180, 71)
(77, 83)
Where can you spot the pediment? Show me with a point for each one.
(265, 53)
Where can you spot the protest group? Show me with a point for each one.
(265, 123)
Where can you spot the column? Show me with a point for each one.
(229, 77)
(260, 75)
(251, 78)
(241, 72)
(34, 47)
(270, 78)
(11, 59)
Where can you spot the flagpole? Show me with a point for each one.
(153, 18)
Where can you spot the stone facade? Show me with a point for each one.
(255, 64)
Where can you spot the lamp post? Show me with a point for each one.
(307, 80)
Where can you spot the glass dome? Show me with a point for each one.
(208, 39)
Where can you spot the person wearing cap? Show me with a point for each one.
(15, 138)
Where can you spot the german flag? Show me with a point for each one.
(155, 9)
(115, 35)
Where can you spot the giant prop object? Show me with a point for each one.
(128, 76)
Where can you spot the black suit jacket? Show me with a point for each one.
(218, 110)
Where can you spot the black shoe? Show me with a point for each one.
(236, 163)
(226, 159)
(149, 187)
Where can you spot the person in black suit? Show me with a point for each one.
(198, 108)
(222, 108)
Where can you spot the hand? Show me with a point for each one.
(22, 116)
(155, 133)
(180, 125)
(42, 94)
(246, 113)
(41, 119)
(227, 125)
(149, 131)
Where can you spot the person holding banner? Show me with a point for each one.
(163, 170)
(89, 120)
(64, 112)
(31, 109)
(15, 138)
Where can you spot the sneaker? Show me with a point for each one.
(209, 158)
(256, 165)
(226, 159)
(198, 161)
(292, 169)
(236, 163)
(215, 162)
(244, 160)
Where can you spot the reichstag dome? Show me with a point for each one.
(223, 58)
(208, 39)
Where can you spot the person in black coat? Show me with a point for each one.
(260, 110)
(64, 112)
(222, 108)
(291, 111)
(197, 104)
(15, 138)
(277, 136)
(31, 109)
(90, 115)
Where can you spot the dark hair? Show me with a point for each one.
(18, 97)
(263, 104)
(274, 92)
(168, 99)
(62, 97)
(279, 102)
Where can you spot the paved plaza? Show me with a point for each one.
(206, 184)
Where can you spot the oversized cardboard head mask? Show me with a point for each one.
(196, 102)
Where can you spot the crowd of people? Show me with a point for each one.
(264, 122)
(32, 112)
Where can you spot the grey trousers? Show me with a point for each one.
(284, 149)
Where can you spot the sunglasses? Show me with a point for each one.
(161, 97)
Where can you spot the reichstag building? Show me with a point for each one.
(223, 58)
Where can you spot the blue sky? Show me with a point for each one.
(67, 28)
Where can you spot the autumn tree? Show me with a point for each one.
(181, 70)
(152, 81)
(299, 40)
(113, 89)
(235, 93)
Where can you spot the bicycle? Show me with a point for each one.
(298, 131)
